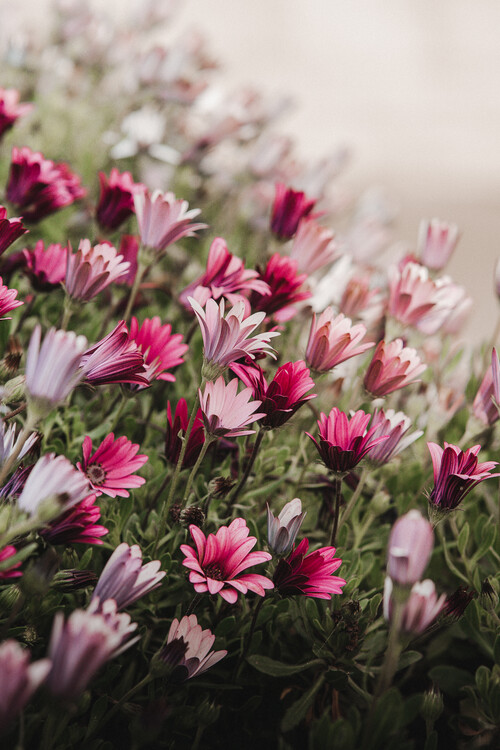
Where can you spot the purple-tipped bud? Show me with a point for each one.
(410, 547)
(282, 530)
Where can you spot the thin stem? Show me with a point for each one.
(237, 489)
(208, 442)
(355, 496)
(336, 512)
(67, 312)
(447, 558)
(141, 270)
(133, 690)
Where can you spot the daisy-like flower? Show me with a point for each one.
(77, 525)
(286, 392)
(125, 579)
(421, 608)
(11, 109)
(286, 288)
(8, 442)
(188, 649)
(8, 300)
(313, 247)
(343, 442)
(488, 396)
(10, 230)
(110, 469)
(436, 242)
(92, 269)
(227, 339)
(46, 266)
(162, 349)
(225, 411)
(395, 425)
(116, 199)
(53, 478)
(9, 570)
(289, 207)
(220, 558)
(163, 219)
(332, 340)
(19, 680)
(456, 473)
(282, 529)
(409, 549)
(176, 430)
(392, 367)
(114, 359)
(309, 574)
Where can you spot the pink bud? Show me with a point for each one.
(410, 546)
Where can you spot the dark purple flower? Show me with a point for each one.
(10, 230)
(456, 473)
(116, 201)
(289, 207)
(176, 429)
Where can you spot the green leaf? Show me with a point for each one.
(488, 537)
(298, 710)
(450, 679)
(86, 558)
(225, 626)
(409, 657)
(276, 668)
(463, 538)
(96, 714)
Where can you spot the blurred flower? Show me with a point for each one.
(225, 411)
(497, 278)
(114, 359)
(163, 219)
(129, 249)
(289, 207)
(488, 396)
(456, 473)
(176, 430)
(143, 130)
(125, 579)
(421, 608)
(116, 199)
(8, 300)
(219, 559)
(395, 425)
(282, 529)
(436, 242)
(332, 340)
(10, 230)
(46, 266)
(187, 650)
(110, 469)
(286, 288)
(19, 680)
(52, 478)
(359, 300)
(313, 246)
(393, 366)
(92, 269)
(77, 525)
(10, 570)
(456, 603)
(309, 574)
(409, 549)
(11, 109)
(162, 349)
(8, 442)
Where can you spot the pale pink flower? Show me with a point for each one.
(53, 479)
(8, 300)
(333, 339)
(410, 546)
(110, 469)
(393, 366)
(395, 425)
(436, 242)
(19, 680)
(220, 558)
(225, 411)
(162, 349)
(421, 608)
(282, 529)
(92, 269)
(125, 579)
(9, 439)
(187, 650)
(488, 395)
(313, 246)
(163, 219)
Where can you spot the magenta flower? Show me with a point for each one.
(77, 525)
(420, 610)
(9, 570)
(436, 242)
(10, 230)
(46, 266)
(92, 269)
(176, 430)
(283, 395)
(282, 529)
(110, 469)
(410, 546)
(163, 219)
(289, 207)
(393, 366)
(39, 186)
(125, 579)
(11, 109)
(395, 425)
(8, 300)
(116, 199)
(219, 559)
(225, 276)
(225, 411)
(488, 396)
(187, 650)
(19, 680)
(162, 349)
(343, 442)
(52, 479)
(456, 473)
(114, 359)
(309, 574)
(332, 340)
(286, 287)
(129, 248)
(313, 247)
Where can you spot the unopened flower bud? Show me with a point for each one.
(282, 530)
(12, 358)
(220, 486)
(432, 705)
(14, 390)
(410, 547)
(175, 512)
(73, 580)
(457, 603)
(192, 515)
(488, 596)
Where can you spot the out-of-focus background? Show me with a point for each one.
(410, 88)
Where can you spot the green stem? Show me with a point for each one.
(393, 649)
(133, 690)
(336, 511)
(355, 496)
(208, 442)
(447, 558)
(67, 312)
(237, 489)
(141, 270)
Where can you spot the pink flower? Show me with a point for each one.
(77, 525)
(225, 411)
(456, 473)
(110, 469)
(114, 359)
(52, 479)
(309, 574)
(393, 366)
(39, 186)
(162, 349)
(410, 546)
(176, 430)
(164, 220)
(436, 242)
(219, 559)
(488, 396)
(313, 247)
(8, 300)
(289, 207)
(282, 529)
(343, 442)
(9, 570)
(420, 610)
(129, 248)
(46, 266)
(10, 109)
(116, 201)
(19, 680)
(395, 425)
(187, 650)
(226, 339)
(225, 276)
(125, 579)
(92, 269)
(286, 392)
(10, 230)
(332, 340)
(286, 288)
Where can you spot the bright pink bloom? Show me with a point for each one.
(456, 473)
(8, 299)
(282, 529)
(46, 266)
(10, 230)
(163, 219)
(488, 396)
(8, 570)
(289, 207)
(332, 340)
(162, 349)
(343, 442)
(39, 186)
(125, 579)
(286, 286)
(114, 359)
(313, 246)
(10, 109)
(309, 574)
(176, 430)
(225, 411)
(283, 395)
(225, 276)
(393, 366)
(92, 269)
(19, 680)
(77, 525)
(436, 242)
(187, 650)
(219, 559)
(395, 425)
(410, 546)
(420, 610)
(53, 478)
(110, 469)
(116, 201)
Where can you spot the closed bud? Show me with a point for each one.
(12, 358)
(14, 390)
(457, 603)
(220, 486)
(432, 705)
(73, 580)
(488, 596)
(9, 595)
(192, 515)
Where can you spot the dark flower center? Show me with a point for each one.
(215, 572)
(96, 474)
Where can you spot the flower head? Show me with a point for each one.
(10, 230)
(176, 430)
(421, 608)
(116, 199)
(409, 549)
(162, 349)
(8, 299)
(9, 570)
(393, 366)
(286, 288)
(163, 219)
(309, 574)
(114, 359)
(436, 242)
(92, 269)
(225, 411)
(488, 396)
(46, 266)
(282, 529)
(19, 680)
(187, 650)
(313, 246)
(125, 579)
(53, 478)
(289, 207)
(110, 469)
(456, 473)
(220, 558)
(8, 442)
(332, 340)
(11, 109)
(77, 525)
(395, 425)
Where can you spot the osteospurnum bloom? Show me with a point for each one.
(175, 434)
(227, 339)
(487, 400)
(393, 366)
(116, 199)
(163, 219)
(409, 549)
(46, 266)
(282, 529)
(92, 269)
(289, 207)
(9, 440)
(125, 579)
(53, 486)
(19, 680)
(219, 560)
(436, 242)
(332, 340)
(309, 574)
(420, 609)
(9, 568)
(456, 473)
(313, 247)
(343, 441)
(162, 349)
(10, 230)
(11, 109)
(396, 426)
(187, 652)
(286, 288)
(8, 299)
(226, 412)
(110, 469)
(77, 525)
(114, 359)
(284, 394)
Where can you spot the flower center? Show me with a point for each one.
(96, 474)
(215, 572)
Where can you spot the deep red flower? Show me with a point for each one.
(175, 431)
(286, 287)
(289, 207)
(116, 200)
(456, 473)
(110, 469)
(77, 525)
(309, 574)
(10, 230)
(46, 266)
